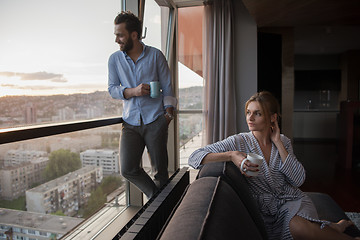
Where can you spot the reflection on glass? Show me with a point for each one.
(190, 38)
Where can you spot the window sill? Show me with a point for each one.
(106, 223)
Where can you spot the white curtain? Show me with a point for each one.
(220, 102)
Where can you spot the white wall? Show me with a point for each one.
(34, 202)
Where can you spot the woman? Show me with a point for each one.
(288, 213)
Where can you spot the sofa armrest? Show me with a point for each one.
(232, 175)
(211, 210)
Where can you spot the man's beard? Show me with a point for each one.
(128, 45)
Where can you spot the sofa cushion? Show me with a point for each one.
(211, 209)
(232, 175)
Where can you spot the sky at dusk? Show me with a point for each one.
(61, 47)
(52, 47)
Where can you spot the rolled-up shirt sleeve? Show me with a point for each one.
(165, 81)
(114, 87)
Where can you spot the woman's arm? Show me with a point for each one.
(197, 157)
(221, 151)
(291, 167)
(235, 156)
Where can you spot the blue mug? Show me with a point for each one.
(155, 89)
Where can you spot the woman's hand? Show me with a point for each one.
(238, 157)
(275, 132)
(275, 138)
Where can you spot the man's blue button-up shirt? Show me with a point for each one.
(124, 73)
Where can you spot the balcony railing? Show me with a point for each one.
(16, 134)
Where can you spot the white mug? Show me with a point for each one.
(253, 158)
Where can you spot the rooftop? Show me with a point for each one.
(66, 178)
(38, 221)
(99, 151)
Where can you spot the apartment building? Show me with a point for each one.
(16, 179)
(107, 159)
(67, 193)
(15, 224)
(13, 156)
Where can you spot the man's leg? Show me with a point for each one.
(156, 135)
(131, 150)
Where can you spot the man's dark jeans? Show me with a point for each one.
(133, 141)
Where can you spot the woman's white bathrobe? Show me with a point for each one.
(276, 188)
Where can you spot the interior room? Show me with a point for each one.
(325, 45)
(219, 52)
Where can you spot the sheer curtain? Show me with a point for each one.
(220, 102)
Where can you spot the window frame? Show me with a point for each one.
(134, 198)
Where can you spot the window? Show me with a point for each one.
(56, 85)
(152, 23)
(190, 80)
(53, 62)
(53, 68)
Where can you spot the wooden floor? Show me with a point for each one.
(324, 174)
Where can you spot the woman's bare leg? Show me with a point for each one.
(341, 225)
(301, 228)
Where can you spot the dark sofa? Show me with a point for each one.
(218, 205)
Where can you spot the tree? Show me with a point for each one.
(60, 163)
(96, 200)
(110, 184)
(58, 213)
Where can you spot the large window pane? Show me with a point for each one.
(190, 80)
(70, 176)
(152, 23)
(50, 48)
(53, 68)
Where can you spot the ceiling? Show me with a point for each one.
(320, 26)
(280, 13)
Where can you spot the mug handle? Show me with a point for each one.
(242, 164)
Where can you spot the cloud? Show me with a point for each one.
(75, 88)
(9, 85)
(36, 76)
(27, 87)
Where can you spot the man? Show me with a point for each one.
(146, 119)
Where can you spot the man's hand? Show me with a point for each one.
(169, 115)
(141, 90)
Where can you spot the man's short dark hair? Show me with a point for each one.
(132, 22)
